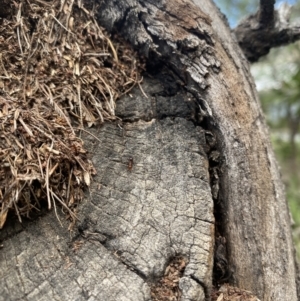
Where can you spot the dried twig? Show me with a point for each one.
(266, 13)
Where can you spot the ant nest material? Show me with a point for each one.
(59, 72)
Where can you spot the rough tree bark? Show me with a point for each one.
(202, 166)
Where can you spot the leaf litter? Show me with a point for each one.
(60, 72)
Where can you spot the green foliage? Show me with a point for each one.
(282, 104)
(293, 196)
(281, 147)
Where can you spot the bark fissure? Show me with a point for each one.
(134, 270)
(207, 290)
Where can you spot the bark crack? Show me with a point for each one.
(205, 288)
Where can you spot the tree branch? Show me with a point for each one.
(266, 13)
(257, 34)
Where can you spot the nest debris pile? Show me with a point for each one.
(231, 293)
(59, 72)
(167, 288)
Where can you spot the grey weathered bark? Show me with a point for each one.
(134, 222)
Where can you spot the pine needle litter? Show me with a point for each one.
(59, 72)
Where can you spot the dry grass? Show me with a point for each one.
(59, 72)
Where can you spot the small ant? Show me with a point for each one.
(130, 163)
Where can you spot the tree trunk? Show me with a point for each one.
(189, 162)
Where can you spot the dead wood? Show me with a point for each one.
(189, 160)
(266, 29)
